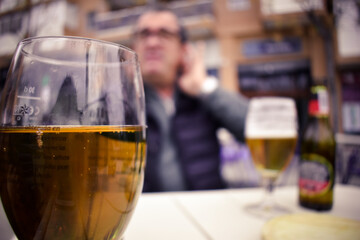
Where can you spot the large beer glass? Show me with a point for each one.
(72, 139)
(271, 135)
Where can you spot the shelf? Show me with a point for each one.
(196, 26)
(25, 7)
(342, 138)
(348, 64)
(196, 16)
(276, 15)
(14, 10)
(259, 93)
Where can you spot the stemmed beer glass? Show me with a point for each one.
(271, 135)
(72, 139)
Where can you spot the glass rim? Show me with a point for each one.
(24, 42)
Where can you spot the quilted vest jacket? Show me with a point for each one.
(194, 133)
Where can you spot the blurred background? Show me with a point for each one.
(254, 47)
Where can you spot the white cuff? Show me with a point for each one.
(210, 84)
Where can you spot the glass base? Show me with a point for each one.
(266, 211)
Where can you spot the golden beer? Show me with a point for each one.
(77, 182)
(271, 155)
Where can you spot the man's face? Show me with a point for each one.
(158, 46)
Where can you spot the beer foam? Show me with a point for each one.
(271, 117)
(265, 105)
(271, 133)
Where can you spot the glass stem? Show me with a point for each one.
(269, 185)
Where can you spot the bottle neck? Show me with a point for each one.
(319, 118)
(318, 115)
(317, 110)
(319, 105)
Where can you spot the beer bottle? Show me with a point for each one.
(317, 160)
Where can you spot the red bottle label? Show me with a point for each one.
(316, 175)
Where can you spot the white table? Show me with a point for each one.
(213, 214)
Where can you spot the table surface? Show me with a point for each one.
(214, 215)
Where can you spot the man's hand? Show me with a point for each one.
(194, 73)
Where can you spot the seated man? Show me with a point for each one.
(184, 107)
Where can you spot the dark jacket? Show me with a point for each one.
(193, 128)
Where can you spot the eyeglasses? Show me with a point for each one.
(162, 33)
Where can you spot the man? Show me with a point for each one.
(184, 108)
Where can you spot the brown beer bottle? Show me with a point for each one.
(317, 160)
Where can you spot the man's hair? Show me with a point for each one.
(159, 7)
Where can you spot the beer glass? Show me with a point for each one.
(72, 139)
(271, 135)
